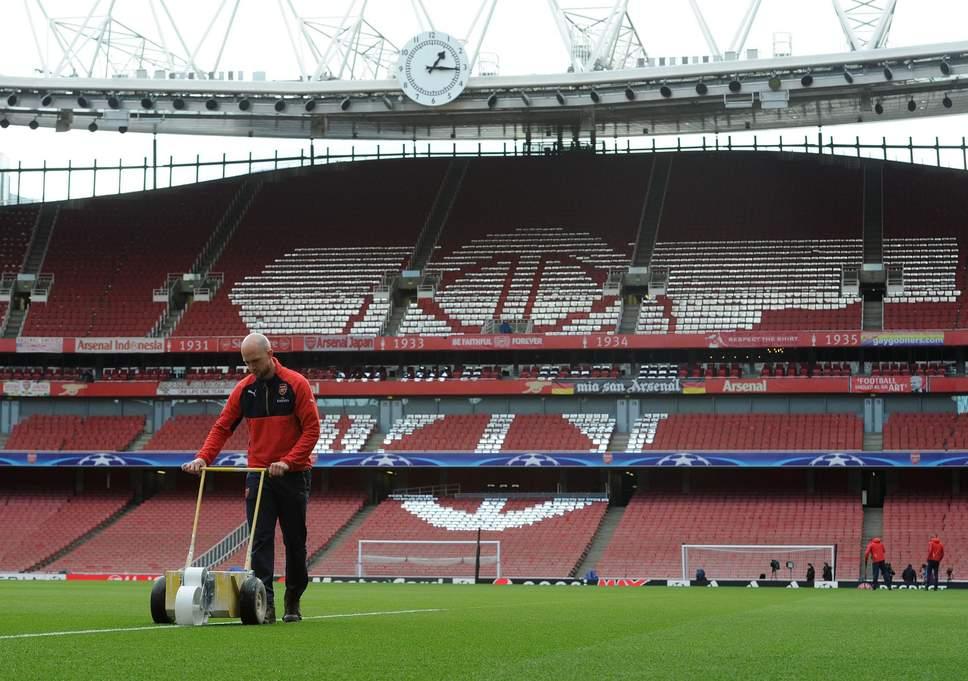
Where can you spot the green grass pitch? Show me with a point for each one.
(489, 632)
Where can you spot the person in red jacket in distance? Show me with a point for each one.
(935, 554)
(283, 421)
(875, 552)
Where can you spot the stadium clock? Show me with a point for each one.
(433, 68)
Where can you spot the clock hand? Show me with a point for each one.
(440, 55)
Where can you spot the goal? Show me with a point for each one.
(426, 558)
(749, 561)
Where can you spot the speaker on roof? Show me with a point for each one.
(65, 119)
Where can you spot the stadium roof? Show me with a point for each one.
(717, 97)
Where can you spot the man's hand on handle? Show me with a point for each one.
(278, 468)
(194, 466)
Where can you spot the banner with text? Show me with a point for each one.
(533, 459)
(496, 342)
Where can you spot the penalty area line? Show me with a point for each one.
(162, 627)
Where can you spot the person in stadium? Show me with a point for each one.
(283, 421)
(875, 553)
(811, 574)
(935, 554)
(909, 576)
(827, 573)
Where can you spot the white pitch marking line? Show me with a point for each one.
(159, 627)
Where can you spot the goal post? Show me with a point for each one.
(423, 558)
(748, 561)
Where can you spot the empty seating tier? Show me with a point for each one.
(648, 540)
(761, 285)
(550, 276)
(926, 431)
(934, 281)
(36, 525)
(108, 433)
(311, 248)
(501, 432)
(189, 432)
(911, 518)
(539, 537)
(750, 431)
(154, 536)
(108, 255)
(344, 432)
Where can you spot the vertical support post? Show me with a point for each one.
(144, 175)
(68, 180)
(197, 163)
(223, 165)
(43, 183)
(250, 161)
(937, 152)
(154, 161)
(120, 164)
(94, 180)
(171, 169)
(857, 145)
(911, 149)
(884, 147)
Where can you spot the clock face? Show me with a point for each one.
(433, 68)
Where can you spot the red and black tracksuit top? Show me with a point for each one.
(282, 418)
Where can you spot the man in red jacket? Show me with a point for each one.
(875, 552)
(283, 421)
(935, 554)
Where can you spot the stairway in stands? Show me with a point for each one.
(46, 220)
(630, 317)
(33, 259)
(873, 315)
(210, 252)
(652, 209)
(341, 536)
(602, 538)
(873, 527)
(437, 218)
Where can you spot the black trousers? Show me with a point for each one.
(932, 573)
(284, 498)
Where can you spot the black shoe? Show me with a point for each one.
(270, 615)
(292, 607)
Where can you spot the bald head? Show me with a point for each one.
(257, 355)
(256, 341)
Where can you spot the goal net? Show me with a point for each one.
(413, 558)
(749, 561)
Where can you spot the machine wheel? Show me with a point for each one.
(158, 612)
(252, 601)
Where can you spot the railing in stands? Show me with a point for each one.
(41, 287)
(54, 183)
(225, 548)
(8, 280)
(447, 490)
(514, 325)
